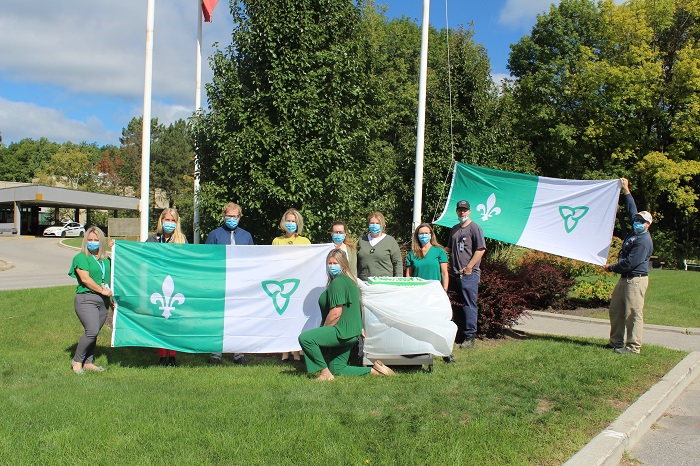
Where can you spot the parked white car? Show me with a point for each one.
(67, 229)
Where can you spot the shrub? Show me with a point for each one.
(546, 278)
(501, 299)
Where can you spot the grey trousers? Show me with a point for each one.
(91, 309)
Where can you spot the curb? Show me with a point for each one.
(591, 320)
(622, 435)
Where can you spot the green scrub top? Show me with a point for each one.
(92, 265)
(343, 292)
(427, 268)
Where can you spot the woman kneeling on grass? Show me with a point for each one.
(92, 268)
(342, 325)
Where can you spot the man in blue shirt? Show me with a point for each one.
(627, 302)
(230, 233)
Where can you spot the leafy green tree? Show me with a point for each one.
(20, 161)
(69, 166)
(288, 120)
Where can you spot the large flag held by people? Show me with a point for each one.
(214, 298)
(570, 218)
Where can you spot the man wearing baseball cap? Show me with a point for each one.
(627, 302)
(466, 246)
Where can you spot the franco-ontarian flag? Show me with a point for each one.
(570, 218)
(202, 298)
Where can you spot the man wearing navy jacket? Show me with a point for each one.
(627, 302)
(230, 233)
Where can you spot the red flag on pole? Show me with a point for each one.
(208, 8)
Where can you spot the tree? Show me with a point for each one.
(70, 166)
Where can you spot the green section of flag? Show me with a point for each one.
(500, 201)
(181, 302)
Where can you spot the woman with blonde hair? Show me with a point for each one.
(327, 348)
(427, 259)
(92, 267)
(292, 224)
(341, 240)
(378, 254)
(168, 231)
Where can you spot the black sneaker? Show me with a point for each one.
(449, 359)
(214, 360)
(163, 362)
(171, 361)
(240, 361)
(468, 343)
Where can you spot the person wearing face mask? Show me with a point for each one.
(230, 233)
(328, 347)
(427, 259)
(341, 240)
(466, 246)
(627, 301)
(92, 267)
(378, 254)
(168, 231)
(292, 224)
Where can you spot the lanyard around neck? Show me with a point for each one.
(102, 268)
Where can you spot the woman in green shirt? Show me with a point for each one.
(327, 348)
(427, 259)
(92, 267)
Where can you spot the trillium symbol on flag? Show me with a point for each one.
(280, 292)
(571, 216)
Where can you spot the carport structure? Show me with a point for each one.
(19, 205)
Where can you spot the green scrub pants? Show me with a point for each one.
(323, 348)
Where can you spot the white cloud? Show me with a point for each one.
(19, 120)
(497, 78)
(518, 14)
(99, 47)
(522, 13)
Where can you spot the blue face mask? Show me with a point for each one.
(231, 223)
(93, 246)
(464, 219)
(338, 237)
(291, 227)
(638, 227)
(169, 227)
(375, 228)
(334, 270)
(424, 238)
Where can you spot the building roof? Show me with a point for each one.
(48, 196)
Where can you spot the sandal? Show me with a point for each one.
(382, 368)
(93, 368)
(76, 367)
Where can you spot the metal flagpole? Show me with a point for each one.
(420, 136)
(197, 105)
(146, 132)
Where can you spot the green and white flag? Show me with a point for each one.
(570, 218)
(202, 298)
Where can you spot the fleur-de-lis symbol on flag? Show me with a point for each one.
(571, 216)
(167, 300)
(280, 292)
(490, 209)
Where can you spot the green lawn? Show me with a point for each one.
(531, 401)
(671, 299)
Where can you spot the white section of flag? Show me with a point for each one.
(589, 241)
(251, 322)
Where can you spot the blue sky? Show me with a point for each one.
(74, 71)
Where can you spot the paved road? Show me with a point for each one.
(37, 262)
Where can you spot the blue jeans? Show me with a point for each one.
(468, 285)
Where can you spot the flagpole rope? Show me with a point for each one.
(449, 88)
